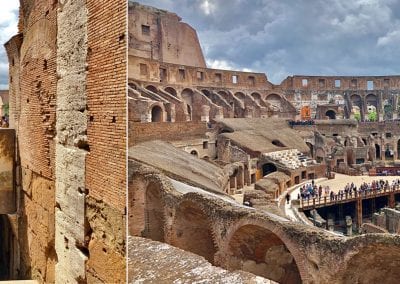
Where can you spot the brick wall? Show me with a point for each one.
(32, 57)
(106, 98)
(166, 131)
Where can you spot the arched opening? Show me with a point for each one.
(194, 153)
(365, 141)
(275, 101)
(377, 151)
(192, 231)
(156, 114)
(132, 85)
(268, 168)
(187, 97)
(388, 152)
(256, 97)
(240, 96)
(259, 251)
(372, 100)
(152, 88)
(331, 114)
(171, 91)
(278, 143)
(373, 264)
(147, 209)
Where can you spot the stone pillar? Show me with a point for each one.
(220, 113)
(248, 112)
(205, 113)
(171, 114)
(359, 211)
(349, 226)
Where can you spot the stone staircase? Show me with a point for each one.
(291, 158)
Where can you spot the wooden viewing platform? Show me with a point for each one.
(357, 197)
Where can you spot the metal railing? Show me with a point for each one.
(328, 200)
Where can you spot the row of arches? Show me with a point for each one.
(250, 247)
(229, 101)
(247, 244)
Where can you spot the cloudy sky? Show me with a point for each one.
(8, 28)
(279, 37)
(303, 37)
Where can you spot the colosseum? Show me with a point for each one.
(233, 179)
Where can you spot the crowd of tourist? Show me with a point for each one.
(311, 191)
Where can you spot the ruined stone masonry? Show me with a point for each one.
(213, 154)
(70, 157)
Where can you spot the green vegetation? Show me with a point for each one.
(5, 109)
(357, 116)
(372, 116)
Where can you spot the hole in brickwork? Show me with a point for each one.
(82, 144)
(45, 64)
(122, 37)
(47, 12)
(114, 119)
(27, 100)
(91, 118)
(104, 249)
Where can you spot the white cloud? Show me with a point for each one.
(8, 19)
(207, 6)
(390, 38)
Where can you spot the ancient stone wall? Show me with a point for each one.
(140, 132)
(71, 148)
(160, 35)
(105, 177)
(32, 58)
(147, 70)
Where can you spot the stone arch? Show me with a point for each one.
(257, 97)
(171, 91)
(194, 153)
(226, 95)
(152, 88)
(157, 114)
(187, 97)
(132, 85)
(356, 100)
(241, 96)
(372, 99)
(192, 230)
(268, 168)
(372, 264)
(262, 249)
(275, 101)
(147, 208)
(331, 114)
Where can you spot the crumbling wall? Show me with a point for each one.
(32, 58)
(105, 177)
